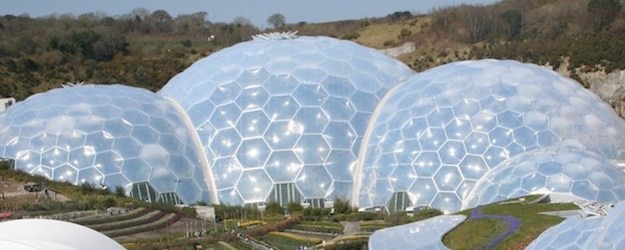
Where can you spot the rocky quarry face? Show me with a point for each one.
(610, 87)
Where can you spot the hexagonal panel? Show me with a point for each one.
(71, 139)
(108, 162)
(82, 157)
(340, 164)
(283, 166)
(313, 181)
(226, 171)
(452, 152)
(458, 129)
(230, 197)
(225, 93)
(254, 185)
(338, 108)
(402, 178)
(252, 124)
(100, 141)
(54, 157)
(339, 135)
(423, 190)
(145, 134)
(338, 86)
(252, 98)
(225, 116)
(283, 135)
(136, 170)
(65, 172)
(154, 155)
(90, 175)
(310, 95)
(477, 143)
(426, 164)
(253, 153)
(447, 178)
(163, 180)
(432, 139)
(473, 167)
(127, 147)
(281, 107)
(188, 190)
(311, 120)
(117, 128)
(225, 142)
(312, 149)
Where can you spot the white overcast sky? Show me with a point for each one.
(227, 10)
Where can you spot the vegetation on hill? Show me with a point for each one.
(476, 234)
(146, 49)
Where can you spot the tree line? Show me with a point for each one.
(141, 48)
(145, 49)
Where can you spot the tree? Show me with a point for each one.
(276, 20)
(161, 20)
(242, 21)
(513, 22)
(603, 12)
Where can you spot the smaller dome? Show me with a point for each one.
(566, 173)
(572, 233)
(52, 234)
(610, 234)
(107, 135)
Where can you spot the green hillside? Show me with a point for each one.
(147, 49)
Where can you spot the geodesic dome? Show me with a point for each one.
(106, 135)
(567, 173)
(439, 132)
(34, 234)
(610, 235)
(281, 118)
(572, 233)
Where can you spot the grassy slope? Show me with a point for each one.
(476, 234)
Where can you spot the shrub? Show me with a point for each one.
(389, 43)
(294, 207)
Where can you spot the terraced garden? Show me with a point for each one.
(135, 221)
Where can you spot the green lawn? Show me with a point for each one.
(477, 233)
(465, 235)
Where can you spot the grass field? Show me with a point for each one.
(475, 234)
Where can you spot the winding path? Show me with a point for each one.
(513, 225)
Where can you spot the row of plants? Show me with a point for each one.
(146, 218)
(185, 243)
(155, 222)
(319, 228)
(251, 223)
(279, 226)
(101, 219)
(321, 223)
(374, 222)
(347, 244)
(288, 241)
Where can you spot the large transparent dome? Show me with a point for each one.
(107, 136)
(438, 133)
(282, 119)
(567, 173)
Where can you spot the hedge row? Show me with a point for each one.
(161, 222)
(146, 218)
(320, 229)
(322, 223)
(99, 219)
